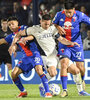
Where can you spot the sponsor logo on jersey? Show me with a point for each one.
(45, 36)
(68, 25)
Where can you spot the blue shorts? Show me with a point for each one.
(29, 62)
(73, 53)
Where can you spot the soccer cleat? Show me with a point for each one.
(64, 93)
(83, 93)
(83, 84)
(22, 94)
(48, 95)
(42, 91)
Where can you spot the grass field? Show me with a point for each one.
(9, 92)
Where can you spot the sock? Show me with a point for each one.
(78, 81)
(64, 82)
(45, 82)
(19, 84)
(82, 78)
(48, 77)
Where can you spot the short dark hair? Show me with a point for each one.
(3, 19)
(12, 18)
(69, 4)
(46, 17)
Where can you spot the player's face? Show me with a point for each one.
(4, 24)
(69, 13)
(45, 24)
(13, 25)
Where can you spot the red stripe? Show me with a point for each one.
(63, 76)
(68, 31)
(26, 49)
(42, 75)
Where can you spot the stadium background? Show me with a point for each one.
(28, 13)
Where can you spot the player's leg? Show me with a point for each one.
(44, 80)
(16, 71)
(63, 73)
(77, 79)
(81, 67)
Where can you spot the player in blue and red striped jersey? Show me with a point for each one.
(68, 24)
(31, 59)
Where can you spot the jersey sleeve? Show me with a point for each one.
(30, 31)
(84, 18)
(9, 39)
(54, 30)
(56, 18)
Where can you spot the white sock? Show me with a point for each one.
(78, 81)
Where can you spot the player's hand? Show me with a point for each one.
(12, 49)
(60, 30)
(75, 43)
(23, 41)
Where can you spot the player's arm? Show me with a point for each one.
(65, 41)
(56, 23)
(3, 41)
(84, 18)
(25, 39)
(60, 29)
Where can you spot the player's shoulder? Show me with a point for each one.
(23, 27)
(79, 13)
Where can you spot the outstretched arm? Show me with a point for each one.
(3, 41)
(67, 42)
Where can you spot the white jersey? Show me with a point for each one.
(44, 38)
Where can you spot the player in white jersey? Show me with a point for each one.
(44, 35)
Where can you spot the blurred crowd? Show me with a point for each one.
(23, 10)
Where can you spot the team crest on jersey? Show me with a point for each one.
(74, 18)
(62, 50)
(68, 25)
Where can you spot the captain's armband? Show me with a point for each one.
(57, 35)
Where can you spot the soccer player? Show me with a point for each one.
(31, 59)
(68, 24)
(44, 35)
(4, 54)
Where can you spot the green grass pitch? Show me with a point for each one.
(10, 91)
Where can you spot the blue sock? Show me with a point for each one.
(64, 82)
(19, 84)
(45, 82)
(82, 78)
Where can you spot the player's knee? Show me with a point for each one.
(52, 71)
(13, 75)
(64, 66)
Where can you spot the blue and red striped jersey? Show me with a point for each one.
(71, 25)
(27, 49)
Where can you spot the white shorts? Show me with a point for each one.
(50, 61)
(53, 61)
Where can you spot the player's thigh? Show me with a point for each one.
(64, 62)
(50, 64)
(73, 69)
(52, 71)
(15, 72)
